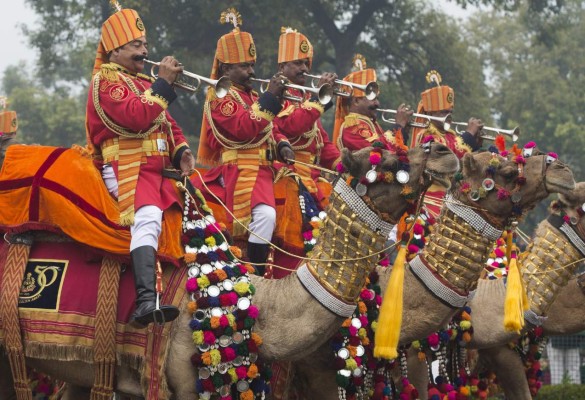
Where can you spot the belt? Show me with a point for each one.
(257, 156)
(305, 156)
(155, 145)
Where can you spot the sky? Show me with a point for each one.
(15, 48)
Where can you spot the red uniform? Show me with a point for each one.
(459, 144)
(125, 105)
(240, 128)
(359, 131)
(301, 124)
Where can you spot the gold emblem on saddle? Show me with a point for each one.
(41, 276)
(28, 285)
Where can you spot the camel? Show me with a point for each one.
(423, 311)
(293, 322)
(556, 295)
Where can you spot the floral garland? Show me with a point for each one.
(223, 315)
(530, 347)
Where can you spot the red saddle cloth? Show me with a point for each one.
(60, 190)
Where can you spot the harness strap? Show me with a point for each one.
(14, 268)
(104, 347)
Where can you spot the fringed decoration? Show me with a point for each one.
(105, 330)
(390, 320)
(516, 299)
(9, 290)
(109, 73)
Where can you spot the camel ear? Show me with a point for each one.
(469, 165)
(351, 162)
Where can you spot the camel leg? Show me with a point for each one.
(6, 383)
(418, 373)
(509, 368)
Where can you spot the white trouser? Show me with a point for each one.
(564, 362)
(262, 224)
(147, 219)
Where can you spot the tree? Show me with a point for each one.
(536, 72)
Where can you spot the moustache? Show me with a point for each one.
(139, 58)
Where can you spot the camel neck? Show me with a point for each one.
(347, 251)
(547, 266)
(456, 251)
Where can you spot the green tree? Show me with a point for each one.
(536, 63)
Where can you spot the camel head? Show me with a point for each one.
(507, 187)
(572, 204)
(390, 194)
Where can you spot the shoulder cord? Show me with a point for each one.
(119, 130)
(232, 144)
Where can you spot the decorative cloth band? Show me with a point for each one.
(305, 156)
(305, 171)
(436, 286)
(472, 218)
(155, 145)
(568, 231)
(369, 217)
(322, 295)
(256, 156)
(536, 320)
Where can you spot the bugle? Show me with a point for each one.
(324, 93)
(190, 82)
(445, 121)
(371, 89)
(484, 133)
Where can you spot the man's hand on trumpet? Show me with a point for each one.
(277, 84)
(403, 115)
(474, 127)
(169, 69)
(327, 78)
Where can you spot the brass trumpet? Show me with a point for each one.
(190, 82)
(323, 93)
(371, 89)
(445, 121)
(513, 133)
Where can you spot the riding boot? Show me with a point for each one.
(257, 254)
(143, 266)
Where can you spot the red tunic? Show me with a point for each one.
(301, 124)
(241, 120)
(134, 102)
(449, 138)
(359, 131)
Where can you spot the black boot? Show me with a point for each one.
(257, 254)
(143, 266)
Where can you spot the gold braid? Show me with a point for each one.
(232, 144)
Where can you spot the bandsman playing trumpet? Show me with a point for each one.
(300, 121)
(239, 138)
(133, 138)
(356, 123)
(439, 101)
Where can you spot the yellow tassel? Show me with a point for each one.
(390, 319)
(516, 299)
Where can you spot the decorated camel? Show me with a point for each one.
(297, 313)
(440, 279)
(555, 294)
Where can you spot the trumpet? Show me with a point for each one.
(324, 93)
(371, 89)
(514, 133)
(190, 82)
(445, 121)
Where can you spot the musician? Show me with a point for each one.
(439, 101)
(8, 128)
(356, 125)
(133, 138)
(238, 135)
(300, 121)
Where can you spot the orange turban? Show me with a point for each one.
(293, 45)
(232, 48)
(122, 27)
(436, 98)
(361, 76)
(8, 122)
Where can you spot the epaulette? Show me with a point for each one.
(146, 77)
(350, 121)
(109, 73)
(286, 111)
